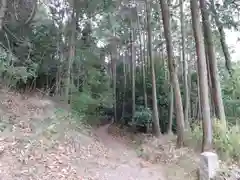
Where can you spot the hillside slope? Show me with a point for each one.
(40, 141)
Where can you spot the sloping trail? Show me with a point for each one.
(40, 142)
(129, 166)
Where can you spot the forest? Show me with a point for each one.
(158, 66)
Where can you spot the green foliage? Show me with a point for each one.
(143, 116)
(83, 103)
(94, 90)
(231, 94)
(162, 94)
(12, 74)
(39, 51)
(226, 140)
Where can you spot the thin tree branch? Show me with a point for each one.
(33, 13)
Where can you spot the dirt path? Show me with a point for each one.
(40, 142)
(128, 165)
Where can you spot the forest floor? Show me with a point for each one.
(41, 141)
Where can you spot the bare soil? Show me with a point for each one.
(40, 141)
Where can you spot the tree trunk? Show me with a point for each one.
(129, 78)
(216, 88)
(156, 126)
(71, 52)
(171, 106)
(143, 75)
(212, 107)
(199, 112)
(133, 65)
(190, 92)
(146, 58)
(3, 10)
(124, 86)
(173, 72)
(185, 68)
(222, 37)
(148, 63)
(202, 71)
(114, 60)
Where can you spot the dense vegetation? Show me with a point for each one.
(157, 64)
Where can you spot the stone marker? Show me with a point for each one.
(209, 166)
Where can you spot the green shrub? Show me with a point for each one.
(86, 104)
(226, 140)
(143, 116)
(12, 74)
(83, 103)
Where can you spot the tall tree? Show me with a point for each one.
(215, 82)
(222, 37)
(133, 70)
(203, 81)
(173, 72)
(142, 57)
(114, 56)
(114, 77)
(185, 68)
(156, 125)
(72, 50)
(124, 84)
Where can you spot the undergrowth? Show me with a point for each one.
(226, 140)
